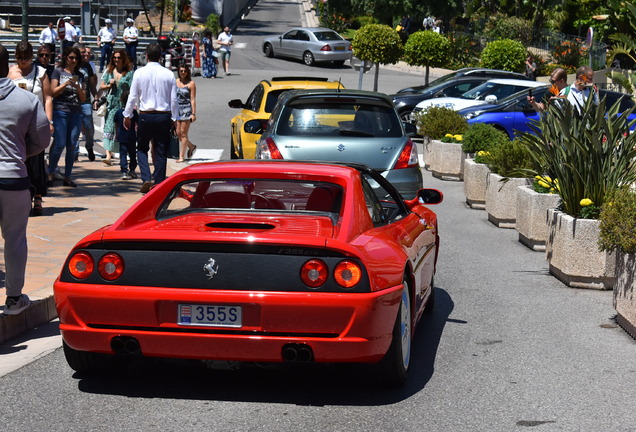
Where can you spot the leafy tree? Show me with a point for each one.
(504, 54)
(379, 44)
(427, 48)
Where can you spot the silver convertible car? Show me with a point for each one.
(309, 44)
(345, 126)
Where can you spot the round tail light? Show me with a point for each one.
(347, 274)
(314, 273)
(111, 266)
(81, 265)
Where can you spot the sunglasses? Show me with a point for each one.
(117, 58)
(23, 58)
(72, 57)
(44, 55)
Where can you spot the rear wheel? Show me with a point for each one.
(405, 115)
(268, 50)
(393, 368)
(308, 58)
(86, 362)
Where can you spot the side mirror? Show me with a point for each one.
(491, 99)
(430, 196)
(410, 129)
(253, 127)
(235, 103)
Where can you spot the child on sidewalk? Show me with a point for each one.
(127, 140)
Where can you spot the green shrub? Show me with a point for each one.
(503, 27)
(507, 158)
(361, 21)
(435, 122)
(212, 24)
(427, 48)
(377, 43)
(464, 51)
(618, 222)
(504, 54)
(482, 136)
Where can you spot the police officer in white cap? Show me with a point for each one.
(105, 41)
(69, 34)
(130, 40)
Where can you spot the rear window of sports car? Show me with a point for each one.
(271, 195)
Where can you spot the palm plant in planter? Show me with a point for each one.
(478, 140)
(592, 153)
(618, 233)
(506, 161)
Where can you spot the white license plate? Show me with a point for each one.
(210, 315)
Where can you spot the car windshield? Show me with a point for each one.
(481, 91)
(339, 119)
(254, 195)
(328, 36)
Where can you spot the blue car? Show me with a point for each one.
(513, 114)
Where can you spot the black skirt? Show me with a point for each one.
(36, 168)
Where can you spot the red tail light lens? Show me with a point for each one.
(326, 48)
(81, 265)
(314, 273)
(111, 266)
(347, 274)
(408, 158)
(272, 151)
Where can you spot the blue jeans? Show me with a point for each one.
(67, 129)
(88, 126)
(127, 150)
(153, 127)
(106, 51)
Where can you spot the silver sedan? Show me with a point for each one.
(309, 44)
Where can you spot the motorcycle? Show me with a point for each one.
(171, 45)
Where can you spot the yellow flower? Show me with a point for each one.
(586, 202)
(448, 135)
(458, 137)
(543, 184)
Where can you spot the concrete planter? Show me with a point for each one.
(427, 152)
(475, 181)
(501, 200)
(532, 216)
(446, 160)
(625, 292)
(573, 255)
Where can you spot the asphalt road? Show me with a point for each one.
(508, 347)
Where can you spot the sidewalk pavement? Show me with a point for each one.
(69, 215)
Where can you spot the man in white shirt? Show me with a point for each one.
(226, 40)
(582, 88)
(69, 34)
(48, 37)
(106, 40)
(154, 92)
(130, 40)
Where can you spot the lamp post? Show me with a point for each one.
(25, 20)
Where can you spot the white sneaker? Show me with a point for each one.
(14, 307)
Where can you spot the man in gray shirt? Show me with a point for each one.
(24, 131)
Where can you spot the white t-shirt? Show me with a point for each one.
(226, 41)
(131, 34)
(107, 34)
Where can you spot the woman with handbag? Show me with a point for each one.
(34, 79)
(116, 79)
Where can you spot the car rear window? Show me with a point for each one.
(327, 36)
(339, 119)
(253, 195)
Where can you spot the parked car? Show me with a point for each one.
(514, 114)
(346, 126)
(465, 73)
(255, 261)
(447, 86)
(248, 124)
(309, 44)
(487, 93)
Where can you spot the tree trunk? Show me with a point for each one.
(152, 28)
(163, 8)
(375, 77)
(426, 76)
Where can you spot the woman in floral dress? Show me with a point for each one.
(208, 56)
(117, 78)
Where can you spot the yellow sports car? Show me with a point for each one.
(249, 124)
